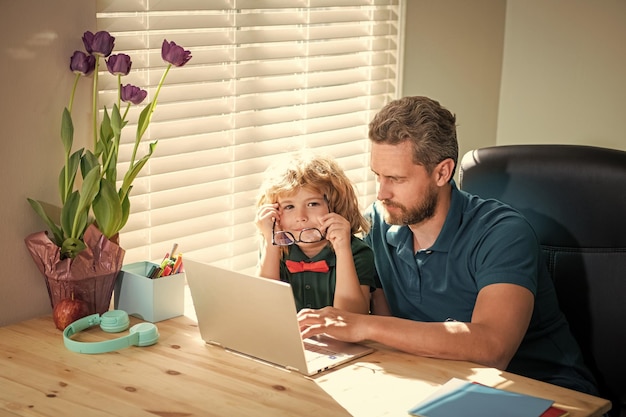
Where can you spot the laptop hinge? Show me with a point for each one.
(211, 342)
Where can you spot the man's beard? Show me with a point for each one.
(417, 214)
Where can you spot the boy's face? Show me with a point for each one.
(301, 210)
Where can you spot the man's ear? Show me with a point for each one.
(443, 171)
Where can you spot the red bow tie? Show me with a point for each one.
(294, 267)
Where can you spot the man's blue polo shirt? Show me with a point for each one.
(482, 242)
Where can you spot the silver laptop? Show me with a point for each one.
(256, 317)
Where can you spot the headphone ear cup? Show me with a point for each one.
(147, 332)
(114, 321)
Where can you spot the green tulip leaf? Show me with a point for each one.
(88, 191)
(66, 181)
(88, 162)
(68, 213)
(71, 247)
(125, 209)
(67, 131)
(106, 133)
(56, 231)
(116, 121)
(111, 167)
(133, 171)
(144, 120)
(107, 209)
(73, 164)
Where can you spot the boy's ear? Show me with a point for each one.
(443, 171)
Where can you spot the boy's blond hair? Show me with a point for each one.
(321, 173)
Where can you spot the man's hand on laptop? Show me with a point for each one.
(339, 324)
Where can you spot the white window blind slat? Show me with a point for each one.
(266, 77)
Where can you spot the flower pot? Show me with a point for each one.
(90, 276)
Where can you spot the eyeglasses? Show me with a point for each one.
(283, 238)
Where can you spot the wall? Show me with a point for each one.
(453, 54)
(38, 39)
(522, 71)
(563, 77)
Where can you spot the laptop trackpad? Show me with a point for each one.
(323, 352)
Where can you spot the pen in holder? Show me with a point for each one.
(150, 299)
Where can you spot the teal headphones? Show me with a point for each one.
(113, 321)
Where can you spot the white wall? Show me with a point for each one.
(38, 39)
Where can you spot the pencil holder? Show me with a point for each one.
(150, 299)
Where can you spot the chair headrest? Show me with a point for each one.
(573, 195)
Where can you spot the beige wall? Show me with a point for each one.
(453, 54)
(522, 71)
(564, 73)
(35, 83)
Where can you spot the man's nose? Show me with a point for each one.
(382, 190)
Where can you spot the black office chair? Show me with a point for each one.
(575, 198)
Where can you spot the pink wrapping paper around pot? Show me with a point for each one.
(90, 276)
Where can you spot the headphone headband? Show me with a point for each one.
(114, 321)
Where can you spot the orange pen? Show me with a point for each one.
(177, 264)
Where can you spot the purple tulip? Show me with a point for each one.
(99, 44)
(81, 63)
(133, 94)
(174, 54)
(119, 64)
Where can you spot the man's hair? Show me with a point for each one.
(316, 172)
(429, 127)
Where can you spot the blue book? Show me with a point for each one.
(468, 399)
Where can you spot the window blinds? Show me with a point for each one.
(266, 77)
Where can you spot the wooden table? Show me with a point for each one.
(182, 376)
